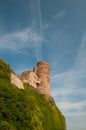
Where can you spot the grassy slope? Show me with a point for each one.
(25, 109)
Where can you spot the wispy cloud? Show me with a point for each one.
(30, 38)
(71, 84)
(50, 23)
(37, 24)
(20, 41)
(73, 106)
(73, 109)
(60, 14)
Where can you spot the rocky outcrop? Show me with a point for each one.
(16, 81)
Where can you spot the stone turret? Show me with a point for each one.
(43, 72)
(39, 78)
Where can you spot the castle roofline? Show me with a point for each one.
(27, 71)
(43, 62)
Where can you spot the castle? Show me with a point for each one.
(39, 78)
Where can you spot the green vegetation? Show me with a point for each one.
(26, 109)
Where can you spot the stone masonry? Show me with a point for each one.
(43, 72)
(16, 81)
(31, 78)
(39, 78)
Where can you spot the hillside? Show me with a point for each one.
(26, 109)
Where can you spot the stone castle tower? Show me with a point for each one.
(38, 78)
(43, 72)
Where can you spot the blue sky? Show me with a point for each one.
(52, 31)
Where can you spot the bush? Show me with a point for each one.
(6, 126)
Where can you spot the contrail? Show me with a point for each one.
(37, 25)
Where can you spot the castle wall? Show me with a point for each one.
(38, 78)
(31, 78)
(16, 81)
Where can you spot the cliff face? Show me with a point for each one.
(25, 109)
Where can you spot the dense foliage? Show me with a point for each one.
(25, 109)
